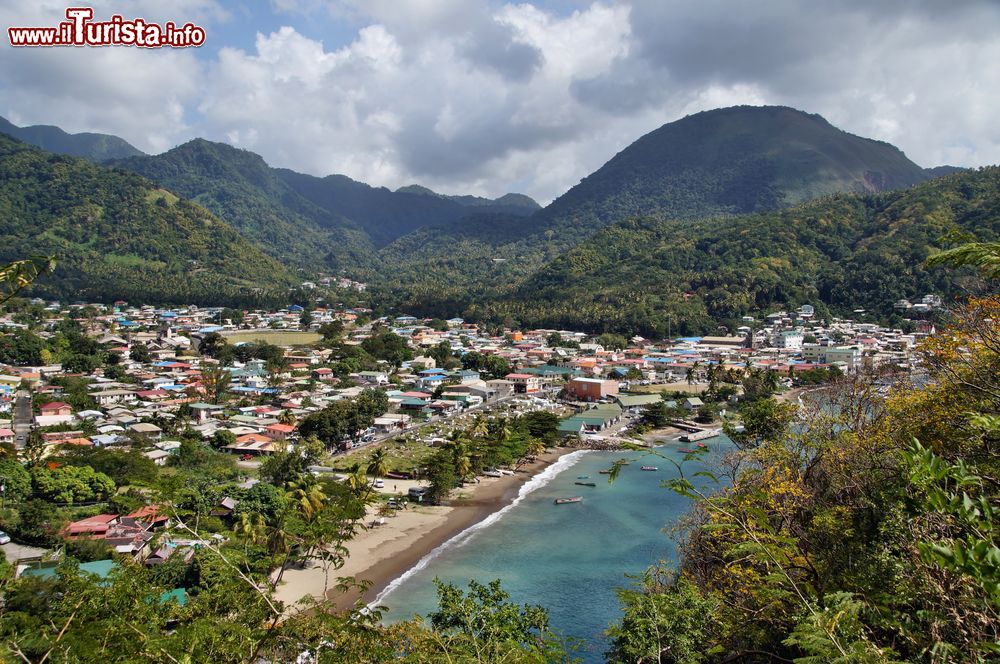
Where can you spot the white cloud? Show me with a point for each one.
(483, 97)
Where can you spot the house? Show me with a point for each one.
(255, 444)
(55, 408)
(692, 404)
(590, 389)
(279, 431)
(373, 378)
(525, 383)
(6, 436)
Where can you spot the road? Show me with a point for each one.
(22, 419)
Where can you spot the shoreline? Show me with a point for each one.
(383, 554)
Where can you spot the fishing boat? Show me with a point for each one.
(574, 499)
(650, 468)
(604, 472)
(685, 450)
(585, 483)
(583, 477)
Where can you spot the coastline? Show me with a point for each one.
(383, 554)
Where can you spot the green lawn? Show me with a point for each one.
(276, 337)
(403, 456)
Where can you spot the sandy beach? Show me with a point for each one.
(383, 553)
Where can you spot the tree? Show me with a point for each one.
(388, 346)
(378, 463)
(305, 320)
(441, 474)
(486, 623)
(612, 341)
(16, 481)
(139, 352)
(222, 438)
(69, 484)
(332, 331)
(216, 381)
(212, 345)
(763, 420)
(21, 347)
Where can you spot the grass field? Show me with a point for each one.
(276, 337)
(671, 387)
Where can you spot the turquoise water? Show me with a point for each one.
(568, 558)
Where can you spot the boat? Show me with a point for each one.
(651, 468)
(685, 450)
(585, 483)
(604, 472)
(583, 477)
(574, 499)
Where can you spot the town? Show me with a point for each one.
(255, 384)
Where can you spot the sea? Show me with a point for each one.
(568, 558)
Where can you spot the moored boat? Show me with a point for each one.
(604, 472)
(574, 499)
(650, 468)
(585, 483)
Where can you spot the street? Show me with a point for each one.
(22, 419)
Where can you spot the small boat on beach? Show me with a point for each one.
(585, 483)
(574, 499)
(650, 468)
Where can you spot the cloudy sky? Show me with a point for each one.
(475, 96)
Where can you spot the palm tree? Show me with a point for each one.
(463, 464)
(216, 382)
(378, 463)
(286, 417)
(307, 496)
(357, 480)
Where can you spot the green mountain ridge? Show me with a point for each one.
(840, 252)
(117, 235)
(726, 162)
(241, 189)
(93, 147)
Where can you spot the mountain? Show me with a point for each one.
(837, 253)
(938, 171)
(93, 147)
(117, 235)
(725, 162)
(305, 221)
(386, 215)
(239, 187)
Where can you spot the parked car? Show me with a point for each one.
(246, 457)
(4, 538)
(378, 484)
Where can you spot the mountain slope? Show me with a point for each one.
(837, 253)
(117, 235)
(93, 147)
(723, 162)
(386, 215)
(239, 187)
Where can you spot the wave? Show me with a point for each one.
(532, 485)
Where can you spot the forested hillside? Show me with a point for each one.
(93, 147)
(728, 161)
(386, 215)
(641, 275)
(116, 235)
(244, 191)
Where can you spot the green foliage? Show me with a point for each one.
(16, 480)
(664, 621)
(493, 366)
(113, 241)
(486, 623)
(21, 347)
(388, 346)
(69, 484)
(763, 420)
(345, 419)
(122, 466)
